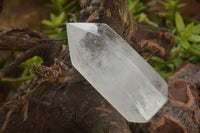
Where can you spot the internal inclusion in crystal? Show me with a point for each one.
(116, 71)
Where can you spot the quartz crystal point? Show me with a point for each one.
(116, 71)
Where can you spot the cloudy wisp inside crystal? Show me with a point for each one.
(116, 71)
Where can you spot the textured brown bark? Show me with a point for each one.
(60, 100)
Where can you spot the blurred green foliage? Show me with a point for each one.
(187, 47)
(60, 10)
(53, 24)
(27, 74)
(171, 7)
(137, 8)
(187, 36)
(59, 6)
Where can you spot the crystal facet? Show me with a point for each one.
(116, 71)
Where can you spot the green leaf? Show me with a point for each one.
(179, 22)
(196, 29)
(132, 5)
(62, 2)
(181, 5)
(189, 28)
(194, 38)
(60, 18)
(25, 78)
(136, 7)
(178, 62)
(53, 17)
(177, 38)
(175, 52)
(197, 46)
(194, 51)
(194, 59)
(163, 4)
(171, 66)
(184, 44)
(48, 23)
(36, 60)
(70, 5)
(158, 59)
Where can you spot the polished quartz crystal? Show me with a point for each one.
(116, 71)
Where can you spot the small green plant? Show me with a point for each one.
(187, 47)
(144, 19)
(60, 8)
(171, 7)
(136, 7)
(53, 25)
(27, 74)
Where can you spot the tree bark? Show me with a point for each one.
(59, 99)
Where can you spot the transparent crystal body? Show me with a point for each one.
(116, 71)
